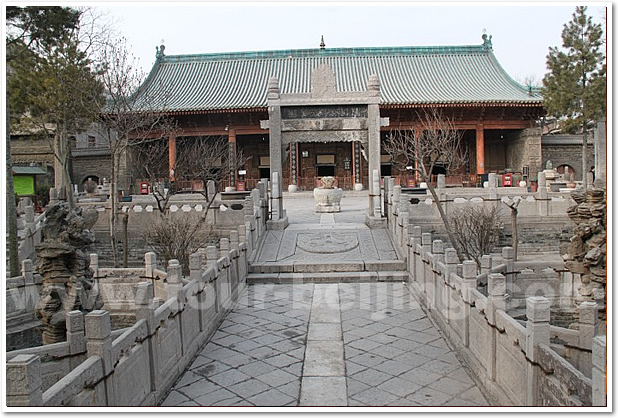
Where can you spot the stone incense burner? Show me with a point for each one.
(328, 197)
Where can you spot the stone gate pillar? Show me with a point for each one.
(374, 211)
(279, 219)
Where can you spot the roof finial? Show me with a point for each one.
(322, 44)
(160, 50)
(486, 41)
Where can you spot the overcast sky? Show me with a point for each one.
(521, 32)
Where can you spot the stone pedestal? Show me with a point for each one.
(327, 200)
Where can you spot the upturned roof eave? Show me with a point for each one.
(382, 105)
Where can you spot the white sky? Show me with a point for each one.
(521, 32)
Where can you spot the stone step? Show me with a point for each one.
(331, 277)
(327, 267)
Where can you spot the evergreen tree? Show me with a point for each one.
(575, 88)
(28, 28)
(51, 81)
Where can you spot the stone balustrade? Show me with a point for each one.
(137, 365)
(28, 232)
(540, 214)
(516, 361)
(519, 362)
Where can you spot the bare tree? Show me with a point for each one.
(177, 237)
(476, 229)
(436, 143)
(207, 160)
(128, 116)
(513, 204)
(203, 162)
(152, 160)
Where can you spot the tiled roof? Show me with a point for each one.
(28, 170)
(565, 139)
(462, 75)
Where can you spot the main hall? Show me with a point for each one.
(324, 128)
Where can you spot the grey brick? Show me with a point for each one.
(237, 360)
(291, 389)
(229, 377)
(217, 396)
(375, 397)
(429, 397)
(372, 377)
(399, 387)
(277, 378)
(272, 397)
(248, 388)
(281, 360)
(198, 388)
(355, 386)
(256, 368)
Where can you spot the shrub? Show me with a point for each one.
(477, 230)
(177, 237)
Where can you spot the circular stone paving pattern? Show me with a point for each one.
(327, 242)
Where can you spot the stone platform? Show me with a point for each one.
(317, 244)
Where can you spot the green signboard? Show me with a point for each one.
(24, 185)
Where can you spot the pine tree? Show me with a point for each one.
(28, 28)
(51, 81)
(575, 88)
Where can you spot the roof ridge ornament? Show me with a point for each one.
(160, 51)
(487, 42)
(322, 44)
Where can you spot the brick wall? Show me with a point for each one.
(95, 166)
(570, 155)
(524, 149)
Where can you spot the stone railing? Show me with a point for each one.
(222, 211)
(541, 215)
(173, 318)
(515, 361)
(139, 364)
(222, 217)
(22, 295)
(29, 233)
(540, 203)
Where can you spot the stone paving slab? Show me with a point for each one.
(386, 351)
(331, 277)
(324, 391)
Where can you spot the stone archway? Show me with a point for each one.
(325, 115)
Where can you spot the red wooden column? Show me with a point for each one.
(354, 177)
(480, 149)
(231, 140)
(172, 157)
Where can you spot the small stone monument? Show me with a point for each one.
(328, 197)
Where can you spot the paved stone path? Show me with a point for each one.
(342, 344)
(335, 344)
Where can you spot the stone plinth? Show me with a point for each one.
(327, 200)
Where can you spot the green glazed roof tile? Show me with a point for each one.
(408, 76)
